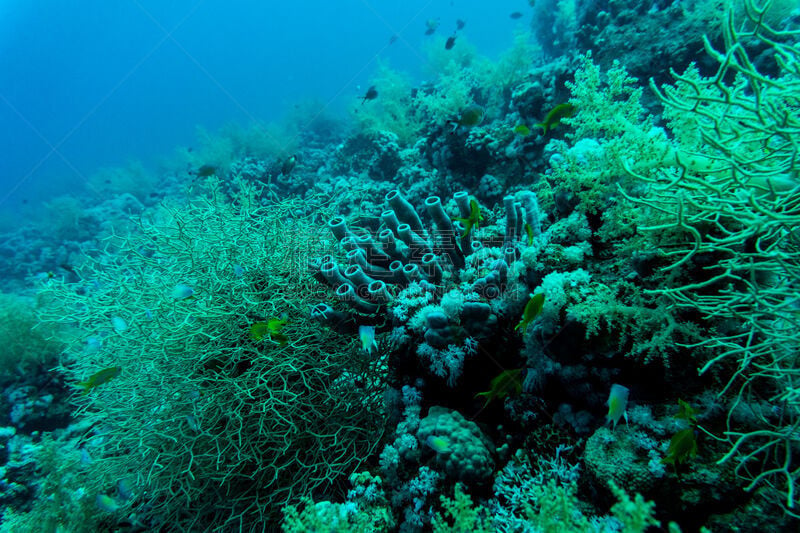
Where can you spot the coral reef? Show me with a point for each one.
(530, 294)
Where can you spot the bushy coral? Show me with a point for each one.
(219, 149)
(63, 498)
(393, 109)
(540, 504)
(609, 131)
(229, 425)
(25, 343)
(364, 511)
(460, 514)
(723, 211)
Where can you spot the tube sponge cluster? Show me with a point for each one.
(405, 251)
(442, 283)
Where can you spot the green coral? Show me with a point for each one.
(558, 510)
(458, 77)
(392, 110)
(550, 508)
(64, 497)
(722, 210)
(461, 514)
(25, 343)
(365, 511)
(510, 69)
(610, 132)
(218, 427)
(636, 514)
(452, 92)
(641, 322)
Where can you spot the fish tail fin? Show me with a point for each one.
(487, 397)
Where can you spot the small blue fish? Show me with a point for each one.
(119, 324)
(191, 421)
(86, 458)
(617, 402)
(367, 336)
(106, 503)
(93, 344)
(124, 489)
(181, 291)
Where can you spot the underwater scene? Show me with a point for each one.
(422, 266)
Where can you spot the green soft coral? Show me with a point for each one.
(26, 343)
(460, 514)
(611, 133)
(636, 514)
(359, 514)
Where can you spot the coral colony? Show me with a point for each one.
(531, 294)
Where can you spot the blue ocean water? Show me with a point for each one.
(94, 84)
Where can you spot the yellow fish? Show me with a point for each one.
(522, 129)
(270, 329)
(507, 383)
(98, 378)
(438, 444)
(555, 116)
(106, 503)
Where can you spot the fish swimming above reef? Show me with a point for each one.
(106, 503)
(438, 444)
(269, 329)
(206, 171)
(507, 383)
(371, 94)
(532, 309)
(617, 403)
(473, 220)
(516, 15)
(431, 25)
(460, 24)
(472, 115)
(181, 291)
(522, 129)
(554, 117)
(288, 165)
(451, 41)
